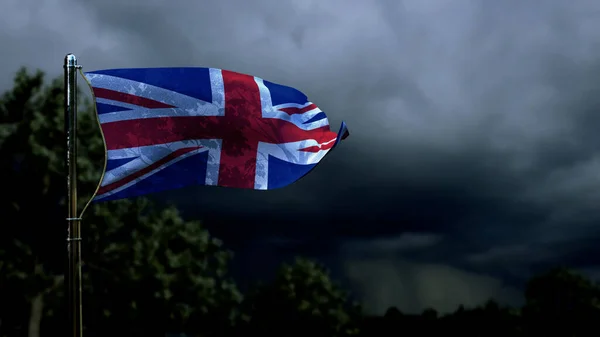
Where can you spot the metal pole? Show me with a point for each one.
(73, 277)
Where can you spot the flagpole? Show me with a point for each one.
(73, 274)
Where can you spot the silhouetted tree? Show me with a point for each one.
(430, 314)
(393, 313)
(302, 300)
(562, 302)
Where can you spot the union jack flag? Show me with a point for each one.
(166, 128)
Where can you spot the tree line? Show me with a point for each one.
(149, 272)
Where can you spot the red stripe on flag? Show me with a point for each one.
(317, 148)
(146, 169)
(243, 112)
(161, 130)
(130, 99)
(292, 111)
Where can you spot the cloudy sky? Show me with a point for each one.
(473, 160)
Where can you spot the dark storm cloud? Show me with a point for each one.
(472, 121)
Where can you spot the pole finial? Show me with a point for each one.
(71, 61)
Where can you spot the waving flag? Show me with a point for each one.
(166, 128)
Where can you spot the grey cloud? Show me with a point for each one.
(592, 272)
(510, 253)
(39, 34)
(402, 243)
(513, 260)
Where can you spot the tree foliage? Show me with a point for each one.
(301, 300)
(564, 302)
